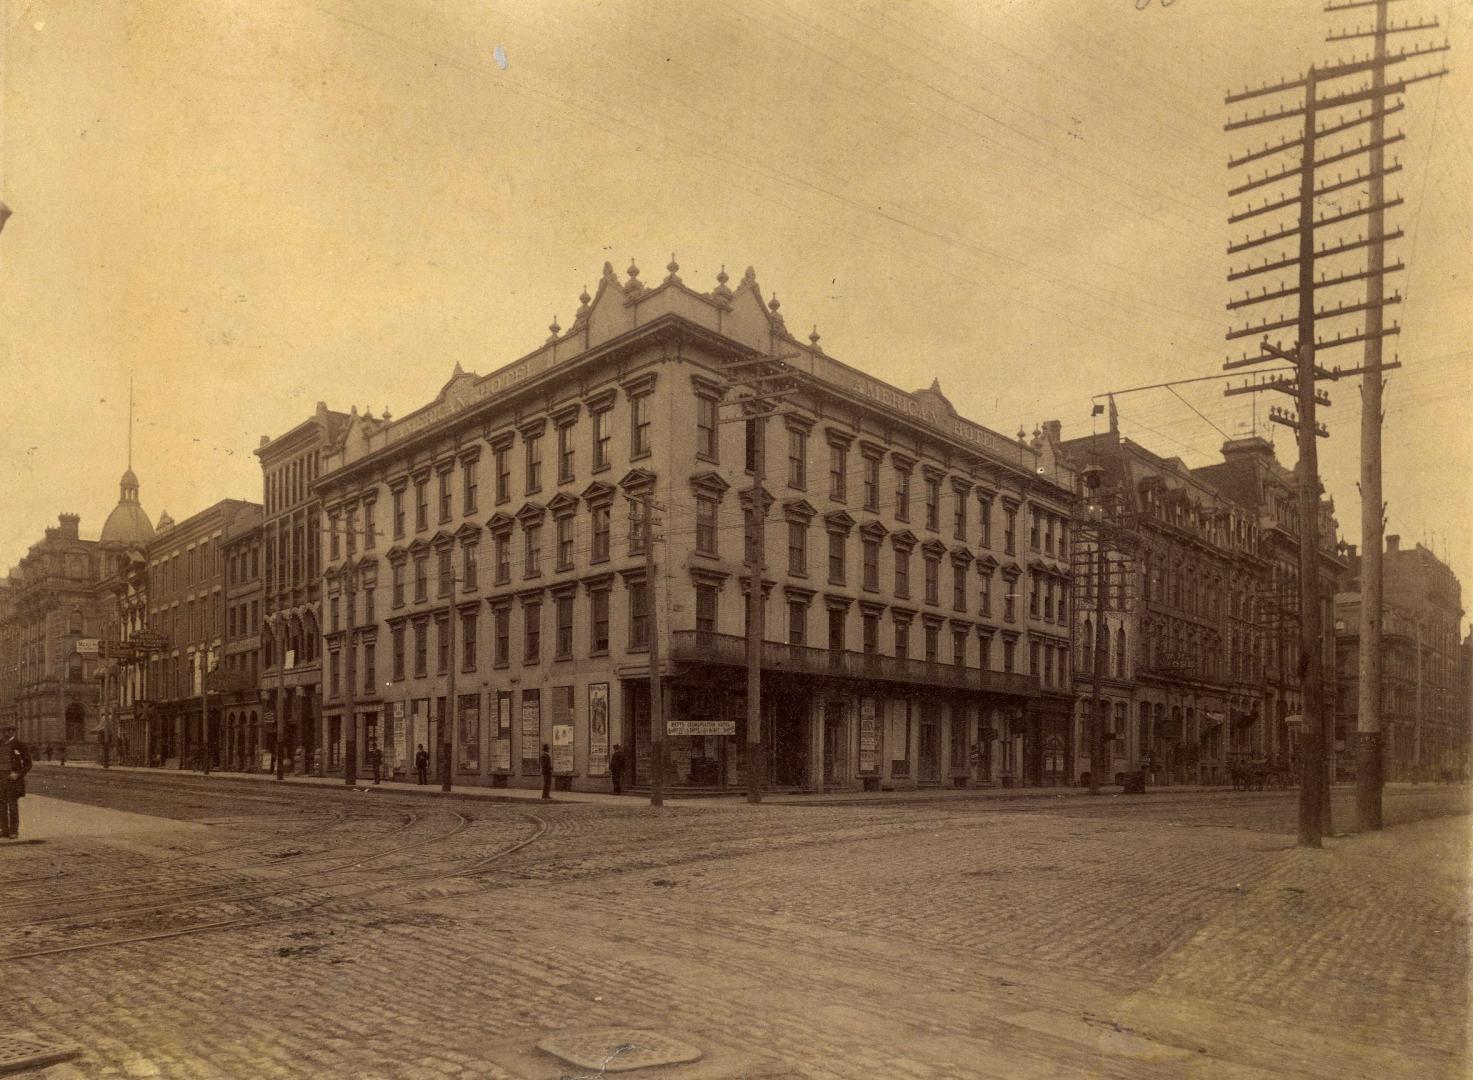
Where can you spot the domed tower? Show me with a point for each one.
(127, 525)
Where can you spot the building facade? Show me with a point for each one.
(487, 588)
(290, 582)
(246, 744)
(1424, 705)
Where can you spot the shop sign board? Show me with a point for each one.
(868, 735)
(700, 727)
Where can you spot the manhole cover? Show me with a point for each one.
(618, 1049)
(20, 1051)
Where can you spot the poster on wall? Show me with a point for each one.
(468, 734)
(868, 736)
(420, 709)
(598, 729)
(531, 732)
(562, 730)
(503, 729)
(401, 737)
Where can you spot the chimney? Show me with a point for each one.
(69, 524)
(1350, 550)
(1393, 544)
(1055, 430)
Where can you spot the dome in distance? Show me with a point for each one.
(127, 524)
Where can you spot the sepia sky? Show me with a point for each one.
(251, 206)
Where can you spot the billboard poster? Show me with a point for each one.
(401, 737)
(562, 730)
(421, 710)
(531, 732)
(598, 729)
(468, 734)
(868, 736)
(503, 729)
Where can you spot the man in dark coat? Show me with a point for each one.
(376, 759)
(546, 772)
(15, 760)
(422, 764)
(616, 768)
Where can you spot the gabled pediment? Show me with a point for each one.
(442, 539)
(986, 564)
(531, 512)
(637, 480)
(562, 504)
(801, 509)
(961, 555)
(500, 522)
(598, 493)
(903, 540)
(710, 483)
(838, 521)
(419, 546)
(933, 549)
(874, 530)
(467, 531)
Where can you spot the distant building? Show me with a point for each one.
(240, 666)
(123, 591)
(1424, 681)
(485, 578)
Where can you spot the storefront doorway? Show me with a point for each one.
(929, 751)
(835, 744)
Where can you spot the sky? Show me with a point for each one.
(245, 208)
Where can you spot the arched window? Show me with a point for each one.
(1120, 653)
(1087, 640)
(75, 625)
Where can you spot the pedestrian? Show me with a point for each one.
(15, 759)
(48, 751)
(422, 764)
(376, 759)
(546, 772)
(61, 752)
(616, 768)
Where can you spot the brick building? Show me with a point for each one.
(1424, 707)
(485, 549)
(240, 666)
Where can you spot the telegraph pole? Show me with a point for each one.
(447, 725)
(657, 700)
(1314, 790)
(350, 728)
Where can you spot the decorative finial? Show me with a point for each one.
(674, 267)
(609, 274)
(750, 277)
(554, 329)
(813, 337)
(774, 303)
(633, 286)
(387, 417)
(633, 271)
(721, 280)
(1022, 435)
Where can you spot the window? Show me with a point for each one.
(706, 428)
(751, 427)
(502, 543)
(370, 530)
(871, 563)
(599, 621)
(368, 604)
(351, 530)
(797, 548)
(333, 665)
(398, 497)
(370, 666)
(836, 558)
(933, 503)
(421, 505)
(396, 637)
(985, 520)
(565, 454)
(1009, 655)
(421, 578)
(531, 632)
(1009, 603)
(636, 527)
(1035, 521)
(1048, 534)
(797, 622)
(442, 644)
(871, 633)
(565, 543)
(1048, 600)
(503, 474)
(600, 516)
(902, 573)
(959, 517)
(501, 646)
(1010, 530)
(838, 472)
(468, 486)
(933, 580)
(959, 648)
(902, 639)
(959, 586)
(797, 458)
(933, 647)
(444, 495)
(469, 625)
(705, 609)
(836, 629)
(532, 554)
(1120, 653)
(600, 440)
(1035, 588)
(986, 603)
(564, 627)
(468, 580)
(533, 445)
(639, 615)
(445, 575)
(871, 483)
(902, 494)
(1033, 666)
(705, 523)
(639, 425)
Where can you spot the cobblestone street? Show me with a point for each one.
(236, 929)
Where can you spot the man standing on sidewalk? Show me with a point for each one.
(422, 764)
(616, 768)
(546, 772)
(15, 759)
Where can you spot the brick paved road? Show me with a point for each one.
(395, 937)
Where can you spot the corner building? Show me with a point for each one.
(485, 550)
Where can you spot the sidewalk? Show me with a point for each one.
(45, 818)
(641, 797)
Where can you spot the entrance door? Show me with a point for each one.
(835, 745)
(930, 740)
(785, 738)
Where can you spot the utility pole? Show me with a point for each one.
(204, 707)
(1314, 791)
(657, 698)
(763, 382)
(447, 724)
(1097, 765)
(280, 695)
(350, 729)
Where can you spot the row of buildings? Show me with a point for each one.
(472, 577)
